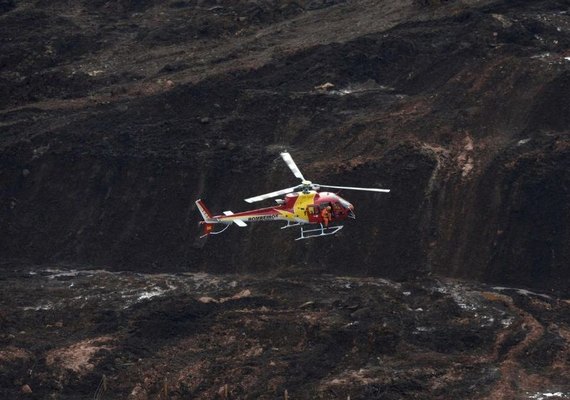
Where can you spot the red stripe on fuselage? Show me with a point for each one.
(260, 214)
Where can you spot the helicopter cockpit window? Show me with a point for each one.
(336, 207)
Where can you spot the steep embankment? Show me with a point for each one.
(107, 139)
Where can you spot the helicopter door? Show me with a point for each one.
(313, 213)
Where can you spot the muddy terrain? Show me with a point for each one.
(115, 116)
(70, 334)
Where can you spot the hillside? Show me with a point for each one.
(115, 116)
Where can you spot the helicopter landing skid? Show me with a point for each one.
(322, 231)
(290, 224)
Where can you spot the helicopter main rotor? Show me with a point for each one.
(305, 185)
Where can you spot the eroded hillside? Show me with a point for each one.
(96, 334)
(116, 116)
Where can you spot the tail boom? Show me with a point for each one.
(240, 219)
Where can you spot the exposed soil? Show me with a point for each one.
(71, 334)
(116, 115)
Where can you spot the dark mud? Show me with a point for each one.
(117, 116)
(71, 334)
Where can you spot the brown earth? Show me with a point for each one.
(70, 334)
(116, 115)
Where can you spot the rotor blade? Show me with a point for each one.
(291, 164)
(270, 195)
(354, 188)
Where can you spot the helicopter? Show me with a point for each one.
(301, 206)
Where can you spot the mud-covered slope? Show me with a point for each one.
(459, 109)
(71, 334)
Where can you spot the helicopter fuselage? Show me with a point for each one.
(298, 207)
(306, 207)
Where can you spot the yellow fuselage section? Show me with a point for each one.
(297, 211)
